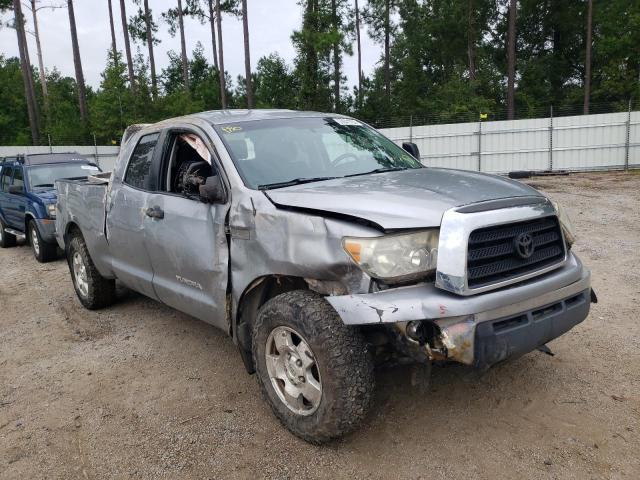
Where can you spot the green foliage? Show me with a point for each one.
(138, 26)
(274, 83)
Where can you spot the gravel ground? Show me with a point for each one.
(142, 391)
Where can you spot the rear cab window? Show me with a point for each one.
(138, 174)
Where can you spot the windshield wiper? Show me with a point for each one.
(379, 170)
(44, 185)
(295, 181)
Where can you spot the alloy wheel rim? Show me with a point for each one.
(80, 274)
(293, 371)
(35, 242)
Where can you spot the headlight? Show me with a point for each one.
(395, 258)
(565, 223)
(51, 210)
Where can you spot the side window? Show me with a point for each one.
(5, 181)
(18, 179)
(189, 165)
(139, 169)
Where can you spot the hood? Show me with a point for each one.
(46, 195)
(398, 200)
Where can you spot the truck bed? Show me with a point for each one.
(81, 202)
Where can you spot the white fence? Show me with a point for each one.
(584, 142)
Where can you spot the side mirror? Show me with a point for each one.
(412, 148)
(212, 191)
(16, 189)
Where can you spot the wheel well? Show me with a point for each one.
(27, 220)
(255, 295)
(72, 230)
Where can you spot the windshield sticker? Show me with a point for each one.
(347, 122)
(232, 129)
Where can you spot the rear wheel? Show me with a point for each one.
(315, 372)
(42, 251)
(93, 290)
(6, 239)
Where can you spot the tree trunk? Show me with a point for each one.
(587, 60)
(114, 49)
(471, 40)
(43, 78)
(247, 56)
(152, 61)
(336, 59)
(511, 60)
(223, 86)
(359, 99)
(77, 63)
(212, 23)
(127, 45)
(25, 67)
(183, 46)
(387, 41)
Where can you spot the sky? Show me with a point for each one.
(271, 23)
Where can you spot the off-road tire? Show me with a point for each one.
(42, 251)
(7, 240)
(101, 292)
(342, 357)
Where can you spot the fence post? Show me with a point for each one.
(480, 145)
(411, 128)
(551, 138)
(95, 146)
(626, 145)
(50, 147)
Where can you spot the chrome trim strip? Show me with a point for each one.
(451, 273)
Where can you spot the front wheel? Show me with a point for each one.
(93, 290)
(315, 372)
(42, 251)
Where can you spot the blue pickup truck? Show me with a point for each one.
(28, 198)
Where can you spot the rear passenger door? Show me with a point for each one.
(8, 201)
(18, 201)
(127, 216)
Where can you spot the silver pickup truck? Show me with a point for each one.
(323, 248)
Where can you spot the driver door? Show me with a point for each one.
(188, 246)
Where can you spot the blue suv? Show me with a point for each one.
(28, 198)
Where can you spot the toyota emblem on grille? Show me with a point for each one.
(524, 245)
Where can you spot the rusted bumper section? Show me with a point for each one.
(478, 330)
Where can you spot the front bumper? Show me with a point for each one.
(481, 329)
(47, 229)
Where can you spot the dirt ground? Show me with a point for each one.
(142, 391)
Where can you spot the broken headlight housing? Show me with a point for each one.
(51, 210)
(565, 224)
(397, 257)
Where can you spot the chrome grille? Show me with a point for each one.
(493, 255)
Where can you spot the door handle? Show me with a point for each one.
(155, 212)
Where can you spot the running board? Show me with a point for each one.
(15, 233)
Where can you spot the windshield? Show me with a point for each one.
(277, 153)
(46, 175)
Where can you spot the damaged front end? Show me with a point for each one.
(428, 324)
